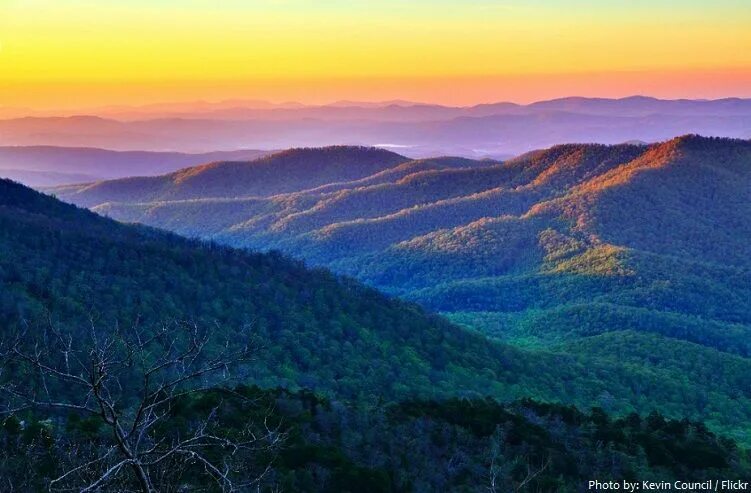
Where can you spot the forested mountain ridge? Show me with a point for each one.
(331, 335)
(404, 401)
(562, 203)
(558, 247)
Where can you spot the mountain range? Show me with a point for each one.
(371, 394)
(627, 255)
(496, 130)
(376, 394)
(330, 335)
(402, 109)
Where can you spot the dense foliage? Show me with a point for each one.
(416, 445)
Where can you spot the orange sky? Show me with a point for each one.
(80, 54)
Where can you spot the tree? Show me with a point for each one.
(129, 385)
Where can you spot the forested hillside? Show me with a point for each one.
(404, 401)
(327, 334)
(623, 248)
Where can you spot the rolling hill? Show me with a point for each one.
(632, 246)
(281, 172)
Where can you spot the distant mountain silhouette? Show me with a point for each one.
(49, 165)
(418, 130)
(36, 178)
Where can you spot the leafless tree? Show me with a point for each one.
(532, 473)
(499, 473)
(129, 382)
(496, 470)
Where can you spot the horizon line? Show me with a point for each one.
(291, 105)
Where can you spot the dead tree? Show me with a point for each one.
(500, 470)
(532, 473)
(129, 381)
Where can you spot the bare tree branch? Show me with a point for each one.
(129, 382)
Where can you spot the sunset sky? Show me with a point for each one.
(81, 53)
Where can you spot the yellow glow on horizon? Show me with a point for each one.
(193, 46)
